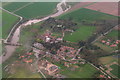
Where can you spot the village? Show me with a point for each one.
(49, 53)
(61, 42)
(45, 58)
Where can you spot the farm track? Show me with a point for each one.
(10, 12)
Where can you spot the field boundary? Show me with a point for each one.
(10, 12)
(22, 7)
(70, 11)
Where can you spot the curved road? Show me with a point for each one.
(15, 39)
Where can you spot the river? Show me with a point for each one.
(15, 39)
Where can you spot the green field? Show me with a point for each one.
(86, 14)
(116, 70)
(85, 71)
(12, 6)
(80, 34)
(33, 9)
(8, 21)
(113, 34)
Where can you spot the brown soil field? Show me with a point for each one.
(105, 7)
(80, 5)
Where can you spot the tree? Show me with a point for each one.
(81, 43)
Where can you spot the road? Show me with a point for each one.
(104, 34)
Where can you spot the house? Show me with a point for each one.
(49, 67)
(39, 46)
(59, 39)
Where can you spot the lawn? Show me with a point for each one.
(108, 60)
(86, 14)
(85, 71)
(116, 70)
(83, 33)
(8, 21)
(33, 9)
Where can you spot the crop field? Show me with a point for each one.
(12, 6)
(116, 70)
(80, 34)
(31, 9)
(8, 21)
(86, 14)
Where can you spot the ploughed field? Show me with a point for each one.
(105, 7)
(8, 21)
(87, 15)
(31, 9)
